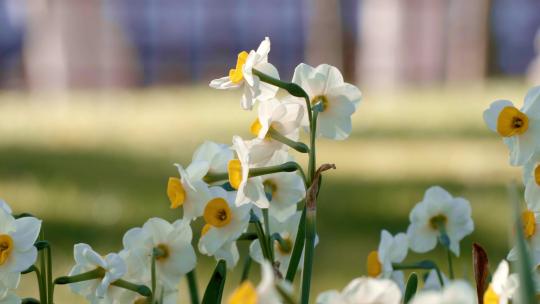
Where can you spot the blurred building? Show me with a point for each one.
(58, 44)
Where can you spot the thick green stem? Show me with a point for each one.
(50, 285)
(261, 236)
(192, 285)
(308, 258)
(296, 145)
(143, 290)
(285, 167)
(268, 234)
(247, 268)
(42, 265)
(86, 276)
(298, 248)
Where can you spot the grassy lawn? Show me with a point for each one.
(94, 164)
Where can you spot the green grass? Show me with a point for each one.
(93, 165)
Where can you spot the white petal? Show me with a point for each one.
(224, 83)
(26, 232)
(5, 206)
(531, 105)
(421, 239)
(491, 115)
(158, 229)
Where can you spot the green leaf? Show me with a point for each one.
(214, 290)
(410, 289)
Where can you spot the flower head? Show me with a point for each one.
(173, 241)
(437, 214)
(265, 293)
(392, 249)
(225, 221)
(86, 259)
(242, 76)
(531, 232)
(363, 291)
(503, 285)
(284, 190)
(189, 191)
(520, 129)
(457, 292)
(17, 238)
(339, 100)
(216, 155)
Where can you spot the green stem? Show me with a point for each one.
(192, 285)
(143, 290)
(285, 167)
(248, 236)
(50, 285)
(298, 248)
(153, 277)
(267, 233)
(287, 298)
(450, 266)
(261, 236)
(86, 276)
(308, 258)
(312, 155)
(296, 145)
(247, 268)
(42, 265)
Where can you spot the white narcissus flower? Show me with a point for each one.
(363, 290)
(287, 231)
(392, 249)
(173, 240)
(8, 282)
(227, 252)
(456, 292)
(339, 99)
(189, 191)
(265, 293)
(96, 290)
(439, 211)
(433, 282)
(285, 190)
(503, 285)
(250, 189)
(225, 222)
(520, 129)
(242, 76)
(531, 223)
(17, 238)
(215, 154)
(531, 179)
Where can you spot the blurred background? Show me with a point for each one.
(99, 98)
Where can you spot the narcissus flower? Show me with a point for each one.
(8, 282)
(225, 221)
(531, 231)
(433, 282)
(265, 293)
(457, 292)
(503, 285)
(531, 179)
(282, 250)
(392, 249)
(242, 76)
(86, 260)
(189, 191)
(227, 252)
(215, 154)
(173, 240)
(520, 129)
(363, 291)
(284, 190)
(436, 214)
(250, 189)
(339, 99)
(17, 237)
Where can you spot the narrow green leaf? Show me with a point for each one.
(214, 290)
(410, 289)
(298, 248)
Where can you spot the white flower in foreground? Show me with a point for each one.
(363, 291)
(173, 240)
(284, 191)
(531, 223)
(17, 237)
(189, 191)
(437, 212)
(282, 251)
(339, 99)
(216, 155)
(86, 260)
(227, 252)
(520, 129)
(225, 221)
(250, 189)
(242, 76)
(456, 292)
(265, 293)
(392, 249)
(8, 282)
(503, 285)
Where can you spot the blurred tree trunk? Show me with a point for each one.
(324, 33)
